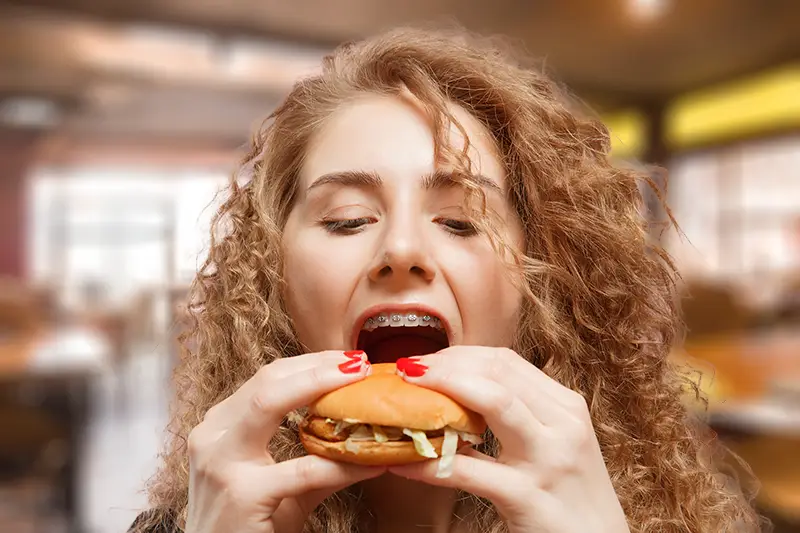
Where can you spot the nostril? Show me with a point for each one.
(387, 271)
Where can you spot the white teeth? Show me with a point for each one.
(397, 320)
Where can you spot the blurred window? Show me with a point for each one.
(103, 234)
(739, 207)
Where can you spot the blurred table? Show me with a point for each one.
(51, 372)
(56, 353)
(754, 405)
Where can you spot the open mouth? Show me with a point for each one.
(388, 336)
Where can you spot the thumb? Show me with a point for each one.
(343, 475)
(330, 477)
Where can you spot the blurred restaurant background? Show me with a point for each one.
(120, 120)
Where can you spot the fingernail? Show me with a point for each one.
(354, 366)
(410, 367)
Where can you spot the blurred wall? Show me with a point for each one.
(17, 156)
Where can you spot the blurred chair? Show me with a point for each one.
(22, 320)
(28, 467)
(775, 461)
(788, 311)
(712, 309)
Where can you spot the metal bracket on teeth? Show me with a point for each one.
(397, 318)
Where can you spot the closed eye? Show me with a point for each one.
(347, 226)
(350, 226)
(461, 228)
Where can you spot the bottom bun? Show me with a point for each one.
(369, 453)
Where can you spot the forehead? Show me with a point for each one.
(392, 136)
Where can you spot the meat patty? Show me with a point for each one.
(323, 429)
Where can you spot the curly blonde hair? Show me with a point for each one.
(599, 314)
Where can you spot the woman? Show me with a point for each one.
(432, 172)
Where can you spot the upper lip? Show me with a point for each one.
(398, 308)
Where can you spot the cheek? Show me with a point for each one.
(488, 300)
(319, 282)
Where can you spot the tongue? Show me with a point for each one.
(391, 349)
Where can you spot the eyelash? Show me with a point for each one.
(347, 226)
(351, 226)
(464, 227)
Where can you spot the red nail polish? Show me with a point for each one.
(352, 367)
(354, 354)
(412, 368)
(405, 361)
(415, 370)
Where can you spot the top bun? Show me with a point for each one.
(386, 399)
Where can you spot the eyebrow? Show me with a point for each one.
(440, 179)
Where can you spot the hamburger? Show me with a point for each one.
(383, 420)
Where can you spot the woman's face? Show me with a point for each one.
(378, 238)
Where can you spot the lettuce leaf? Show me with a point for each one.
(472, 438)
(421, 443)
(379, 434)
(449, 449)
(361, 433)
(341, 426)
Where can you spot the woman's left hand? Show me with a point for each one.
(550, 476)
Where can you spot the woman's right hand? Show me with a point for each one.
(234, 483)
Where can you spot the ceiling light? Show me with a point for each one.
(647, 10)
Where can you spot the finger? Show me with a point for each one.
(509, 418)
(225, 413)
(540, 393)
(272, 396)
(472, 452)
(472, 473)
(314, 474)
(504, 363)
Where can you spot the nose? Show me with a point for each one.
(403, 256)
